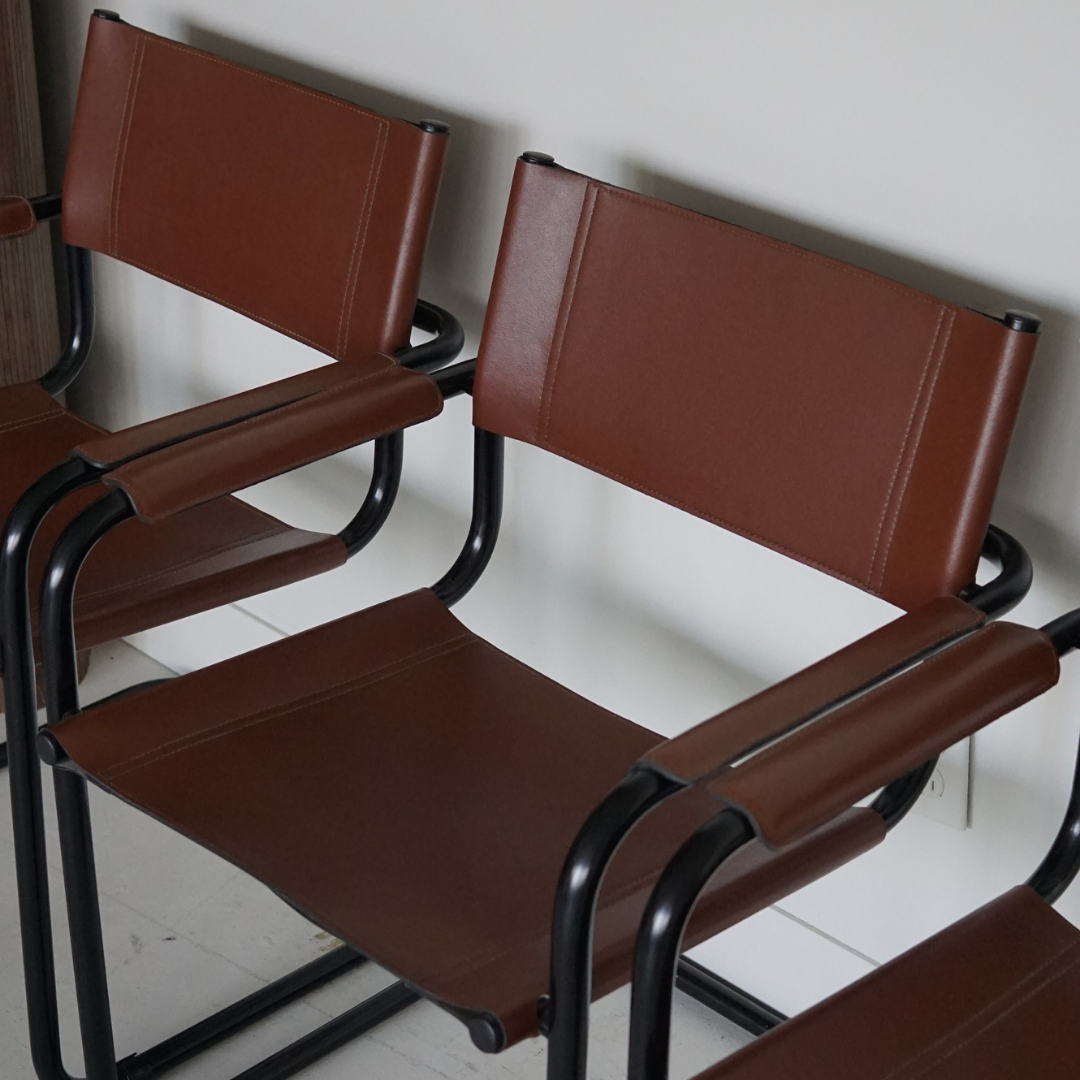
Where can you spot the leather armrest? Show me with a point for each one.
(714, 743)
(17, 217)
(266, 444)
(115, 448)
(793, 786)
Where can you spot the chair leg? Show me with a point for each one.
(84, 922)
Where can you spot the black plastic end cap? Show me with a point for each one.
(534, 157)
(435, 126)
(112, 16)
(487, 1033)
(1023, 321)
(49, 750)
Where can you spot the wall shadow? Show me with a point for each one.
(476, 180)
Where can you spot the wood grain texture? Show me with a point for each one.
(29, 334)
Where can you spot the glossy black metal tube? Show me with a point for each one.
(46, 207)
(1062, 862)
(333, 1034)
(565, 1017)
(486, 515)
(84, 925)
(382, 491)
(234, 1018)
(725, 998)
(447, 344)
(61, 679)
(20, 693)
(57, 627)
(1057, 871)
(656, 953)
(80, 277)
(1011, 585)
(897, 798)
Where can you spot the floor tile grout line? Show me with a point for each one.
(828, 937)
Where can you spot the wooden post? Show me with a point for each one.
(29, 335)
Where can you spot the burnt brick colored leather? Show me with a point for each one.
(834, 415)
(231, 458)
(17, 217)
(415, 790)
(995, 996)
(307, 213)
(145, 575)
(302, 211)
(112, 448)
(821, 769)
(714, 743)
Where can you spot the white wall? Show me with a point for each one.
(935, 142)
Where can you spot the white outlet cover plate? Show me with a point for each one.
(946, 796)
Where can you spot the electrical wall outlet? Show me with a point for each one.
(945, 797)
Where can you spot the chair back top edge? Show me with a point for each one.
(305, 212)
(841, 418)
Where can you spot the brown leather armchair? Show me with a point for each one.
(201, 172)
(429, 791)
(993, 997)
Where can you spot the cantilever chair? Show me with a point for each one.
(995, 996)
(431, 800)
(301, 211)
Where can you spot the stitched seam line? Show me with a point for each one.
(778, 245)
(787, 249)
(230, 727)
(348, 106)
(904, 445)
(30, 421)
(948, 1052)
(580, 242)
(914, 452)
(125, 134)
(351, 282)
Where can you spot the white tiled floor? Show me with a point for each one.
(186, 933)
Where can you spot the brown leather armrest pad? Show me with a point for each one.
(231, 458)
(115, 448)
(17, 217)
(723, 738)
(819, 771)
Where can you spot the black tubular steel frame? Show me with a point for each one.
(444, 347)
(62, 698)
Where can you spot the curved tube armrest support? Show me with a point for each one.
(564, 1013)
(236, 456)
(447, 344)
(660, 935)
(1000, 595)
(802, 781)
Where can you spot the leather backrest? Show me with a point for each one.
(307, 213)
(836, 416)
